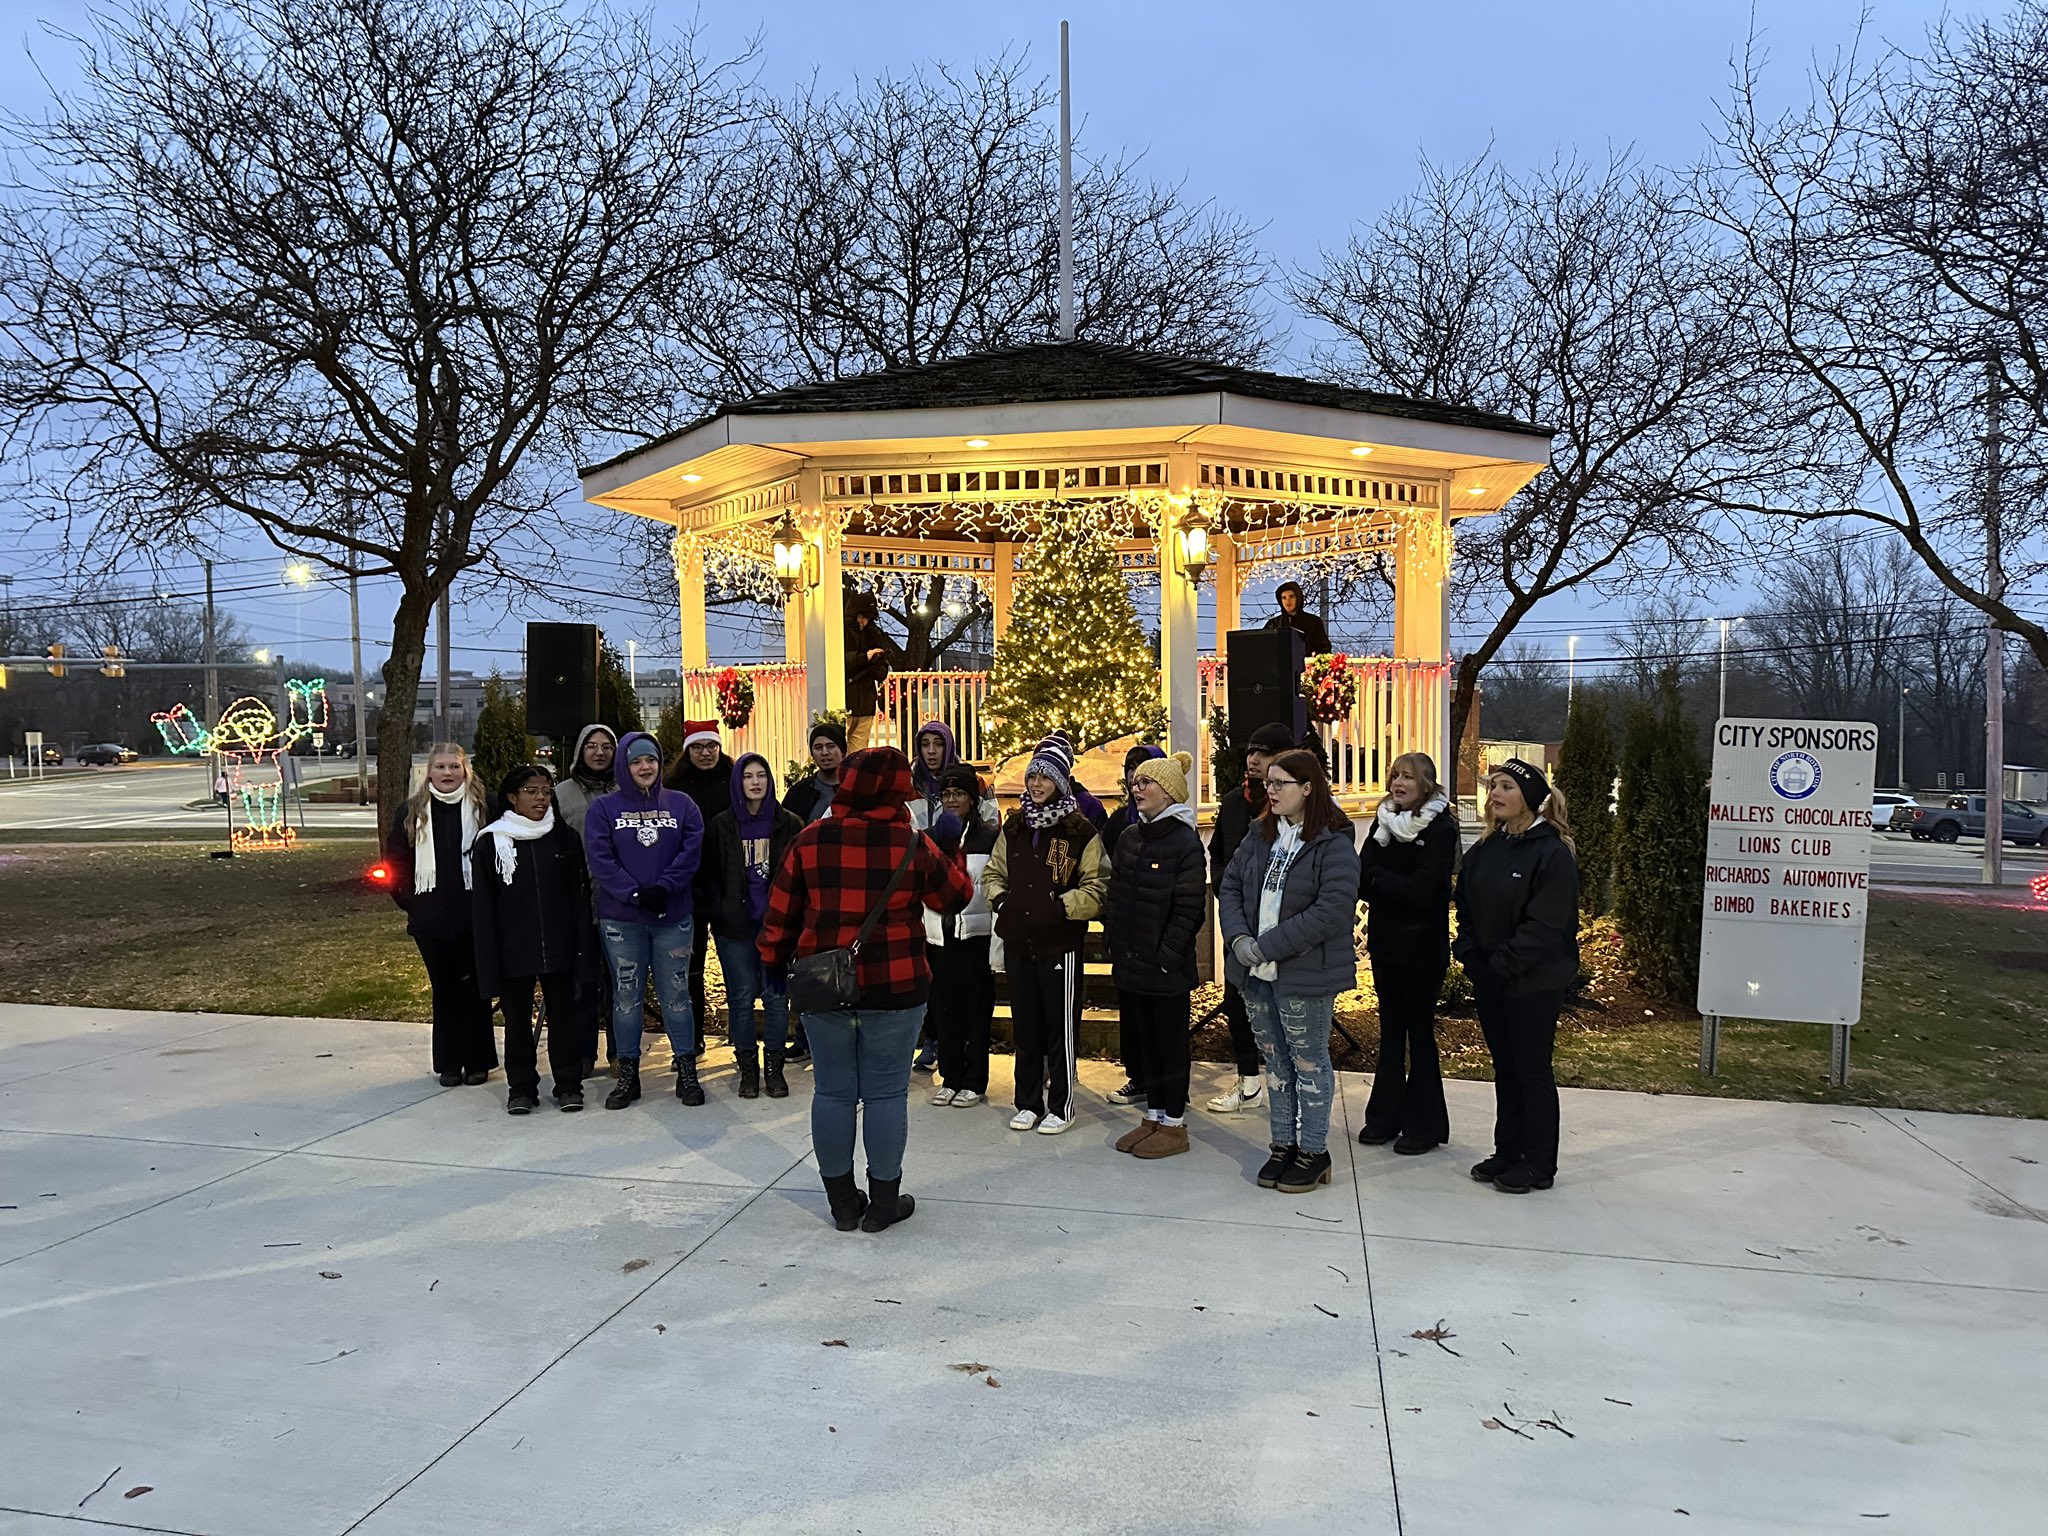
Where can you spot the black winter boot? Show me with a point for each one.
(688, 1089)
(886, 1206)
(750, 1074)
(776, 1084)
(848, 1203)
(1277, 1165)
(627, 1088)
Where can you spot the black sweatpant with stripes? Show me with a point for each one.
(1045, 1023)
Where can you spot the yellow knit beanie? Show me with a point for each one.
(1169, 773)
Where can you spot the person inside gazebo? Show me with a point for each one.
(1315, 635)
(869, 655)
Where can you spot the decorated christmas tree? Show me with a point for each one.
(1074, 657)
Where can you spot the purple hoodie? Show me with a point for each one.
(926, 781)
(634, 837)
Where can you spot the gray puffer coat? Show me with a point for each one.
(1312, 942)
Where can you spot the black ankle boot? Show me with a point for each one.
(750, 1075)
(688, 1089)
(1304, 1173)
(776, 1084)
(886, 1206)
(1276, 1165)
(848, 1203)
(627, 1088)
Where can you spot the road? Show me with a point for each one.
(143, 796)
(151, 795)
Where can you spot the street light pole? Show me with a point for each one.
(1725, 625)
(1571, 670)
(1903, 691)
(633, 664)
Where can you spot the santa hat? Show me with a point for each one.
(695, 731)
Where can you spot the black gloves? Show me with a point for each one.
(651, 899)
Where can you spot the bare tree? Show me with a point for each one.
(1893, 237)
(1571, 295)
(359, 276)
(1525, 695)
(915, 218)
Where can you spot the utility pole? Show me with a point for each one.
(211, 661)
(355, 649)
(1902, 738)
(1725, 623)
(1994, 649)
(1571, 671)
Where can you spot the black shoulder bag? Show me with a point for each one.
(828, 981)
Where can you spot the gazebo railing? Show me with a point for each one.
(909, 699)
(1399, 709)
(782, 712)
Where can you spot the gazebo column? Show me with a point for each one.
(1227, 591)
(1422, 617)
(694, 632)
(824, 606)
(1180, 683)
(1003, 588)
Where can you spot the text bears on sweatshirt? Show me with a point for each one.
(634, 838)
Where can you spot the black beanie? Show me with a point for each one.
(1535, 788)
(960, 776)
(831, 730)
(1272, 738)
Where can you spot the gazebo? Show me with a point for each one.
(944, 468)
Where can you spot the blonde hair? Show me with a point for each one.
(1421, 767)
(419, 804)
(1554, 811)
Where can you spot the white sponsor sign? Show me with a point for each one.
(1788, 870)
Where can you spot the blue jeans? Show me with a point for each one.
(632, 950)
(861, 1057)
(747, 980)
(1294, 1037)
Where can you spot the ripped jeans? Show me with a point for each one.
(1294, 1037)
(632, 949)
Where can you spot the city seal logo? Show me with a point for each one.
(1795, 775)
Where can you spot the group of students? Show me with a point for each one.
(581, 889)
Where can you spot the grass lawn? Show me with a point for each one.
(1955, 1016)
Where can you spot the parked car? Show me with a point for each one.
(1963, 816)
(1890, 810)
(52, 756)
(105, 754)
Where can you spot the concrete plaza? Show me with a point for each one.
(274, 1274)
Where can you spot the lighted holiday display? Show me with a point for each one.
(1074, 656)
(252, 744)
(1329, 687)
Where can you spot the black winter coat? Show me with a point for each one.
(1407, 891)
(710, 790)
(802, 798)
(1518, 913)
(445, 909)
(539, 925)
(864, 674)
(1158, 896)
(1234, 818)
(725, 870)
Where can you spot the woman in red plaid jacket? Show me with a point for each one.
(833, 874)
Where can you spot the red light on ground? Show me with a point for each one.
(2039, 886)
(379, 874)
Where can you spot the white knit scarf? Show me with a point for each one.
(424, 873)
(513, 828)
(1391, 826)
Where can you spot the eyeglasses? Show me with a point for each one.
(1273, 783)
(536, 787)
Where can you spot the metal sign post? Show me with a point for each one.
(1787, 878)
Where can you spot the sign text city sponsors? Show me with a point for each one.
(1788, 869)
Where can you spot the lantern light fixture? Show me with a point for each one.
(792, 557)
(1191, 533)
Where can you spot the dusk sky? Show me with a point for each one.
(1305, 117)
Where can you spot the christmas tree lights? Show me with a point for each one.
(252, 745)
(1074, 657)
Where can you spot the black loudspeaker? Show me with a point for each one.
(561, 679)
(1264, 681)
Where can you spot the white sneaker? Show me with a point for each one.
(943, 1096)
(1235, 1098)
(1024, 1120)
(966, 1098)
(1052, 1125)
(1130, 1093)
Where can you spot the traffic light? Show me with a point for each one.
(111, 665)
(54, 655)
